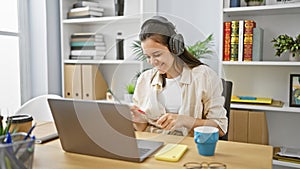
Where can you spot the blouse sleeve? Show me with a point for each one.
(213, 101)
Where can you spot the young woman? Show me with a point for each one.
(180, 92)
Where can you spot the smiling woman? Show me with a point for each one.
(179, 92)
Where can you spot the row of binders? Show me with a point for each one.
(87, 46)
(84, 81)
(85, 9)
(242, 41)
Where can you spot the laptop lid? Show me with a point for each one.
(98, 128)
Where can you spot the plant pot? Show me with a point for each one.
(295, 58)
(128, 98)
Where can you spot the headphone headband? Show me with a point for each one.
(160, 25)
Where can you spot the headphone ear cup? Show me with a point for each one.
(176, 44)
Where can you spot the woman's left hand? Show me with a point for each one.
(170, 121)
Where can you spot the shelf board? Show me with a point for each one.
(103, 20)
(277, 9)
(285, 107)
(102, 62)
(286, 164)
(263, 63)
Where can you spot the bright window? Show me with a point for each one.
(10, 92)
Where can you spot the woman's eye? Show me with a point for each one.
(157, 55)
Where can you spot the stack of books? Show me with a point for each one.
(287, 154)
(87, 46)
(85, 9)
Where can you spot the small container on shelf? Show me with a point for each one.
(120, 46)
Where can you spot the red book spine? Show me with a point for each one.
(248, 39)
(226, 41)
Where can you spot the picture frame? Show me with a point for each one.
(294, 99)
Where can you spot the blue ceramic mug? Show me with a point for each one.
(206, 138)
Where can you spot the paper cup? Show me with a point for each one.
(20, 123)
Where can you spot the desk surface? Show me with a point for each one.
(235, 155)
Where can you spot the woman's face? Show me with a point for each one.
(158, 55)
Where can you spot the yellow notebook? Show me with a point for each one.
(246, 99)
(171, 152)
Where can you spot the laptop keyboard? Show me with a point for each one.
(143, 151)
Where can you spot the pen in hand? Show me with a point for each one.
(141, 111)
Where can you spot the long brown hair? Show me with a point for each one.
(186, 56)
(190, 60)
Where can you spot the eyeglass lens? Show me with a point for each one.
(204, 165)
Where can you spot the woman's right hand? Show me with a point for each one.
(137, 115)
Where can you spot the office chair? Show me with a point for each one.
(227, 92)
(38, 108)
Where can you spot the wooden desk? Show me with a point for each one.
(234, 155)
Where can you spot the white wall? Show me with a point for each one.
(195, 21)
(44, 36)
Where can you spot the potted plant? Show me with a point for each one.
(286, 43)
(254, 2)
(130, 90)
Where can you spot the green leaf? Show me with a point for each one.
(138, 51)
(130, 88)
(201, 48)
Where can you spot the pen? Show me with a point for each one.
(47, 138)
(9, 141)
(28, 152)
(29, 132)
(8, 138)
(26, 137)
(141, 111)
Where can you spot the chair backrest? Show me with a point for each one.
(38, 107)
(227, 92)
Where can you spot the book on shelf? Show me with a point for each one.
(84, 14)
(226, 41)
(84, 39)
(99, 48)
(250, 99)
(87, 44)
(86, 3)
(287, 154)
(87, 57)
(241, 41)
(248, 39)
(87, 8)
(87, 35)
(79, 39)
(234, 41)
(257, 46)
(88, 52)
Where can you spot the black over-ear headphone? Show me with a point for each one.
(160, 25)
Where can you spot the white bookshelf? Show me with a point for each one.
(284, 108)
(269, 77)
(117, 73)
(286, 164)
(278, 9)
(262, 63)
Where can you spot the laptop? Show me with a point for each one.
(99, 128)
